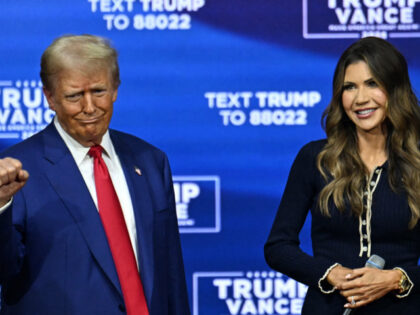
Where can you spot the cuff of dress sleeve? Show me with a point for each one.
(7, 205)
(323, 284)
(411, 284)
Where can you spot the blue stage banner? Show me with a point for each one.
(230, 90)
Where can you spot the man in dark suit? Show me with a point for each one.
(84, 232)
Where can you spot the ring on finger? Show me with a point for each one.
(353, 302)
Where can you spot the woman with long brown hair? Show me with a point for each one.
(362, 186)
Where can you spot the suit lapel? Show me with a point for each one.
(67, 181)
(143, 210)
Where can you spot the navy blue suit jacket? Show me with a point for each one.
(54, 255)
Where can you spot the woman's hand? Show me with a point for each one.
(365, 285)
(337, 275)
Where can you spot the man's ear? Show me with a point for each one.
(49, 95)
(114, 95)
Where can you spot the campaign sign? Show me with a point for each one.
(246, 292)
(360, 18)
(198, 203)
(146, 15)
(24, 109)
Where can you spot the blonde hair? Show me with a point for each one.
(92, 52)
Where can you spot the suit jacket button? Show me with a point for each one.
(121, 307)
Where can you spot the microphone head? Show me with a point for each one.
(375, 261)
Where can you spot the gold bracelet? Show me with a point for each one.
(403, 284)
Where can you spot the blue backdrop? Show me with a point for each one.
(230, 90)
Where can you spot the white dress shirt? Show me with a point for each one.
(85, 164)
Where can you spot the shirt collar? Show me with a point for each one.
(78, 151)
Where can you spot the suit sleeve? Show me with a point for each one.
(178, 294)
(12, 249)
(282, 250)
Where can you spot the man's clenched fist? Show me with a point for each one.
(12, 178)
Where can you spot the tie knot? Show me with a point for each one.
(95, 151)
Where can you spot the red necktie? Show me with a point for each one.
(116, 231)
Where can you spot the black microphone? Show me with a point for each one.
(374, 261)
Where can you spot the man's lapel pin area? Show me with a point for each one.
(137, 170)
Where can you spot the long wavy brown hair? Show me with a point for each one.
(339, 162)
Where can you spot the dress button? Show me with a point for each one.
(364, 248)
(121, 308)
(372, 183)
(364, 222)
(365, 236)
(377, 171)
